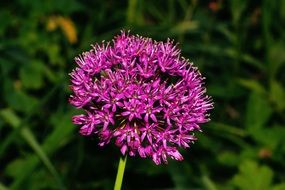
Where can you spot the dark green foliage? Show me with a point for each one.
(238, 45)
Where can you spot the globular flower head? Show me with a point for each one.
(140, 93)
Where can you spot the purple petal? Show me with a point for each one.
(152, 116)
(124, 149)
(125, 113)
(146, 117)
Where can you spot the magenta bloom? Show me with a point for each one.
(142, 94)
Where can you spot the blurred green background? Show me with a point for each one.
(238, 45)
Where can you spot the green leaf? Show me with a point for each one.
(42, 180)
(237, 8)
(253, 177)
(10, 117)
(276, 57)
(31, 140)
(3, 187)
(16, 168)
(31, 75)
(17, 99)
(134, 14)
(225, 89)
(185, 26)
(21, 101)
(252, 85)
(225, 128)
(53, 52)
(258, 111)
(228, 158)
(274, 136)
(208, 183)
(29, 137)
(180, 175)
(282, 11)
(279, 187)
(58, 137)
(277, 95)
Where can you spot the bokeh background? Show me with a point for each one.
(238, 45)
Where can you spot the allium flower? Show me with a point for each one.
(142, 94)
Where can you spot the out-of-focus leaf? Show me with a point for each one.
(53, 52)
(31, 140)
(16, 98)
(252, 61)
(208, 183)
(237, 8)
(131, 13)
(5, 20)
(252, 85)
(249, 153)
(16, 168)
(225, 128)
(31, 75)
(14, 121)
(10, 117)
(279, 187)
(226, 32)
(58, 137)
(65, 6)
(274, 136)
(251, 176)
(180, 175)
(50, 74)
(134, 13)
(185, 26)
(228, 158)
(258, 111)
(16, 54)
(228, 53)
(3, 187)
(20, 101)
(277, 94)
(276, 57)
(282, 11)
(227, 90)
(6, 66)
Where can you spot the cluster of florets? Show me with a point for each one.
(142, 94)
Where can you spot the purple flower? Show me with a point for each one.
(133, 109)
(140, 93)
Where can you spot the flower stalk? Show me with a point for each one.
(120, 172)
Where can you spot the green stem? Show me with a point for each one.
(120, 173)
